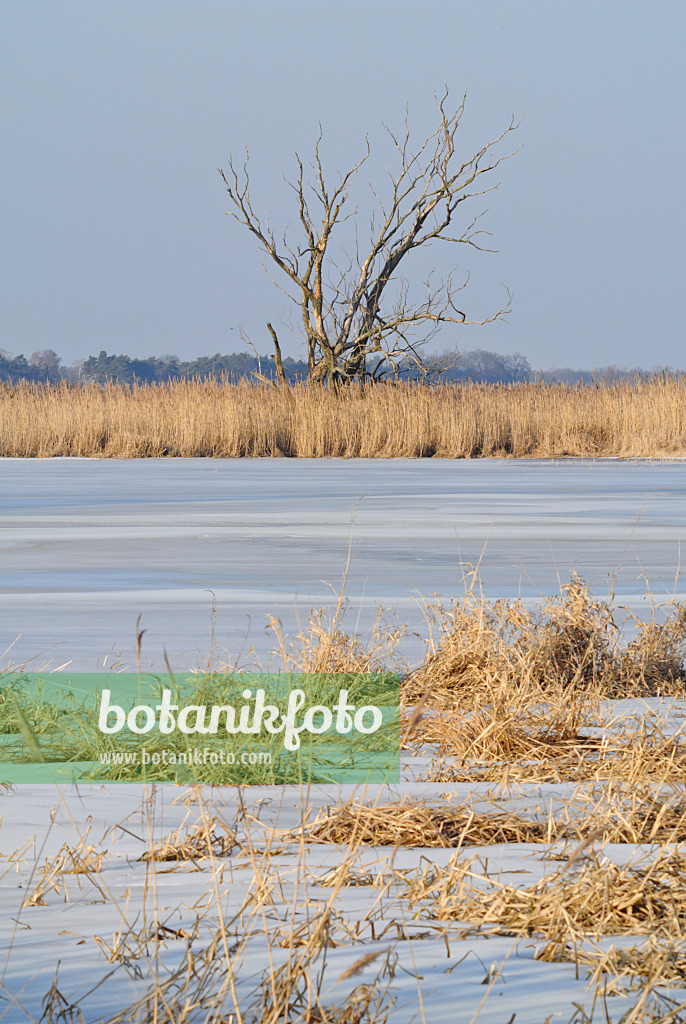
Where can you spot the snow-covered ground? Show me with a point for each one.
(86, 544)
(440, 976)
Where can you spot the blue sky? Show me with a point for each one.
(116, 116)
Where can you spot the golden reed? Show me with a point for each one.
(642, 418)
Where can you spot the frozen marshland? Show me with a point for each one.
(87, 545)
(246, 904)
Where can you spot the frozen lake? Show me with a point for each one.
(87, 545)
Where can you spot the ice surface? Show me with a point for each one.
(88, 544)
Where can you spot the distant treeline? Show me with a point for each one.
(482, 367)
(47, 367)
(41, 366)
(478, 366)
(161, 369)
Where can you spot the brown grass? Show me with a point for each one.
(323, 645)
(514, 694)
(623, 813)
(599, 899)
(80, 860)
(415, 823)
(209, 839)
(538, 420)
(507, 693)
(570, 643)
(504, 694)
(664, 962)
(647, 756)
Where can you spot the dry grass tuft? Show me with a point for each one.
(515, 694)
(624, 814)
(600, 899)
(415, 823)
(570, 643)
(209, 839)
(81, 860)
(323, 645)
(635, 815)
(520, 746)
(656, 961)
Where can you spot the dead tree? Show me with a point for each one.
(367, 308)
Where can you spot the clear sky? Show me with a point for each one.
(116, 115)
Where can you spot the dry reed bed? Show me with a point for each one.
(568, 649)
(629, 759)
(212, 419)
(514, 695)
(506, 692)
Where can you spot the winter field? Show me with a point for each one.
(529, 866)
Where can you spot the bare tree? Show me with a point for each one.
(48, 362)
(365, 308)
